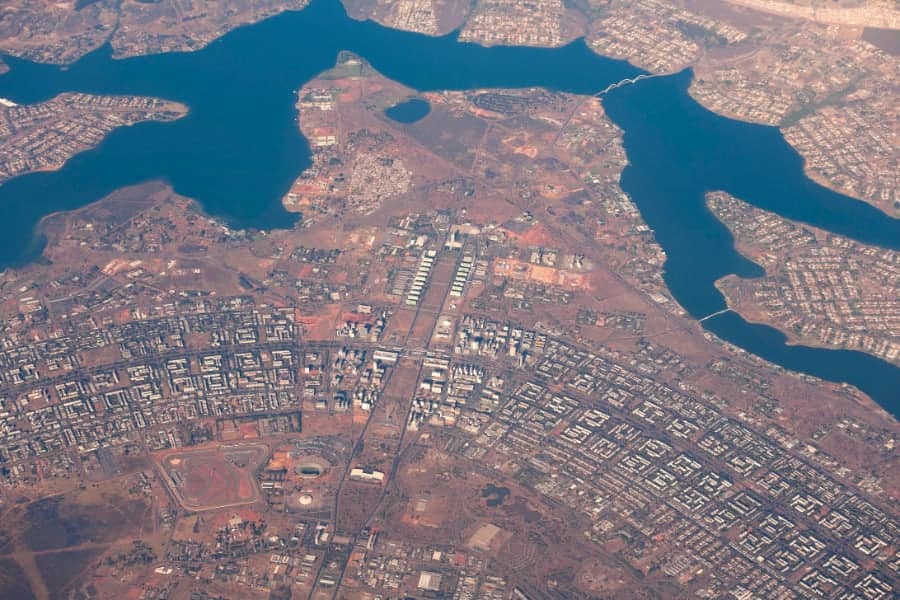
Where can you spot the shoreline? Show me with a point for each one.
(792, 339)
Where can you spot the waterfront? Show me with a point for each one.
(240, 167)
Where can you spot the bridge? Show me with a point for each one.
(624, 82)
(715, 314)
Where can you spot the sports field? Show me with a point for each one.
(213, 478)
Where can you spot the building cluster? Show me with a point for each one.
(853, 150)
(514, 23)
(43, 136)
(732, 91)
(346, 376)
(582, 167)
(391, 568)
(50, 32)
(822, 287)
(630, 321)
(55, 400)
(420, 278)
(445, 388)
(226, 361)
(876, 13)
(183, 25)
(511, 102)
(832, 95)
(797, 73)
(606, 212)
(698, 495)
(659, 36)
(364, 323)
(248, 554)
(413, 15)
(411, 252)
(708, 500)
(105, 363)
(356, 170)
(621, 228)
(325, 177)
(41, 33)
(375, 179)
(633, 457)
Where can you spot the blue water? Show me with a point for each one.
(409, 111)
(239, 149)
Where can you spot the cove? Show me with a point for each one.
(239, 149)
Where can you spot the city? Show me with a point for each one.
(462, 364)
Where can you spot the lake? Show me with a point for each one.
(409, 111)
(239, 149)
